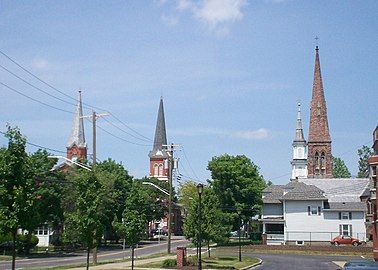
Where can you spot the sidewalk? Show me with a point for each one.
(127, 265)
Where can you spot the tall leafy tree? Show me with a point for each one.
(238, 184)
(85, 222)
(364, 153)
(340, 170)
(16, 188)
(132, 226)
(215, 224)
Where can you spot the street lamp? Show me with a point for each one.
(199, 190)
(239, 224)
(72, 161)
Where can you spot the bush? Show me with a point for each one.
(24, 243)
(169, 263)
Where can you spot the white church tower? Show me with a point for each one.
(299, 162)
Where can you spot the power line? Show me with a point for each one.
(40, 146)
(86, 105)
(35, 87)
(122, 139)
(128, 133)
(36, 100)
(187, 160)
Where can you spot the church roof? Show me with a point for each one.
(160, 134)
(319, 131)
(77, 136)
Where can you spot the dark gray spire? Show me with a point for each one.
(160, 133)
(299, 130)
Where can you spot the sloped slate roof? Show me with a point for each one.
(273, 194)
(340, 189)
(346, 206)
(300, 191)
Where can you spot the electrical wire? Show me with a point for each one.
(187, 160)
(40, 146)
(35, 100)
(111, 123)
(122, 139)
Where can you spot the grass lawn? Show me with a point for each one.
(215, 262)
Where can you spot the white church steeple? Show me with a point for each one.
(299, 162)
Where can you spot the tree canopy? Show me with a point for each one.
(340, 170)
(364, 153)
(238, 184)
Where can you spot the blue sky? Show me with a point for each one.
(231, 73)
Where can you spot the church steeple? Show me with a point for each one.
(299, 162)
(299, 130)
(76, 145)
(319, 139)
(158, 155)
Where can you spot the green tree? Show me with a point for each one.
(238, 184)
(340, 170)
(364, 153)
(117, 184)
(215, 224)
(85, 222)
(187, 191)
(132, 226)
(16, 189)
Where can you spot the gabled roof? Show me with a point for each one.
(341, 189)
(298, 191)
(345, 206)
(77, 136)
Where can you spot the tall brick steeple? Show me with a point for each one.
(319, 140)
(158, 155)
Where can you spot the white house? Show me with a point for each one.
(314, 210)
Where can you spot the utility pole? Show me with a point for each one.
(94, 117)
(170, 149)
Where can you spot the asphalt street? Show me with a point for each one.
(80, 258)
(299, 262)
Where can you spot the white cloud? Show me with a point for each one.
(40, 63)
(258, 134)
(217, 14)
(214, 12)
(170, 20)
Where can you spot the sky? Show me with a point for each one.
(230, 71)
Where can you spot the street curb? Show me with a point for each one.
(253, 265)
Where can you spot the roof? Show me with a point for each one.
(346, 206)
(340, 189)
(294, 191)
(77, 136)
(160, 134)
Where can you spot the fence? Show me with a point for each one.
(319, 236)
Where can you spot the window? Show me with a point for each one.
(156, 170)
(160, 170)
(313, 210)
(41, 230)
(345, 215)
(345, 229)
(300, 243)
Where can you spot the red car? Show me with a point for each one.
(346, 240)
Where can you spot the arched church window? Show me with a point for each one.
(322, 162)
(156, 169)
(160, 169)
(316, 163)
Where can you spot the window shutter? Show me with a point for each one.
(340, 215)
(350, 215)
(319, 210)
(309, 210)
(340, 229)
(350, 230)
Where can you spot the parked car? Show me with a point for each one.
(360, 264)
(345, 240)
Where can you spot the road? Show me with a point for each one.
(80, 258)
(298, 262)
